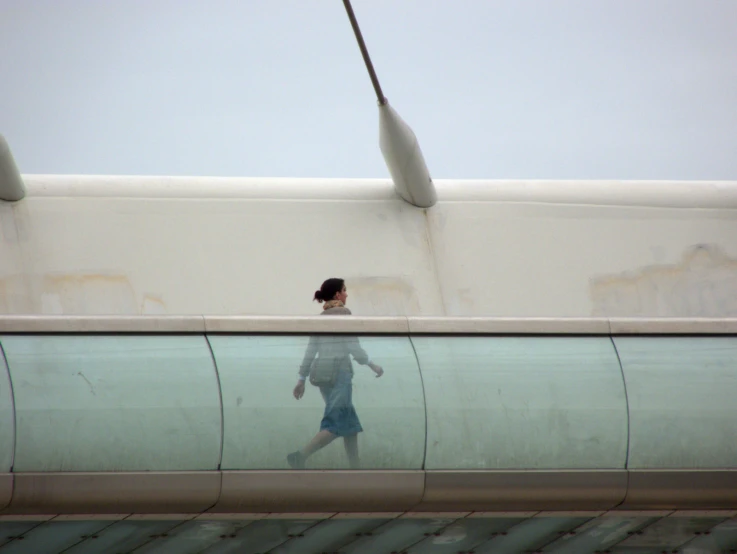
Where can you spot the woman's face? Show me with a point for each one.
(342, 295)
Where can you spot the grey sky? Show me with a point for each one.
(614, 89)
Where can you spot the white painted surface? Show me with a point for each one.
(159, 245)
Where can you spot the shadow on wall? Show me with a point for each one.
(703, 284)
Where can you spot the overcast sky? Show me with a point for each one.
(548, 89)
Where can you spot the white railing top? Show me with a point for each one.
(364, 325)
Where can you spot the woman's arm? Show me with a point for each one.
(310, 353)
(305, 367)
(359, 354)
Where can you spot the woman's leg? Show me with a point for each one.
(338, 413)
(297, 459)
(321, 440)
(351, 448)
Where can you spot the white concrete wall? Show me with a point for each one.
(153, 245)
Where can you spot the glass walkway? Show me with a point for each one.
(171, 434)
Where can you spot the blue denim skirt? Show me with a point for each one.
(340, 417)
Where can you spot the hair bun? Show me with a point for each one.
(329, 289)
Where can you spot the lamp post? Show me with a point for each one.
(12, 188)
(397, 141)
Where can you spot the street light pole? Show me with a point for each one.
(12, 188)
(364, 52)
(397, 141)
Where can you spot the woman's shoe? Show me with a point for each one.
(296, 460)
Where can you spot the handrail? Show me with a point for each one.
(365, 325)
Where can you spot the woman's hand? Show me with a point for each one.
(377, 369)
(299, 390)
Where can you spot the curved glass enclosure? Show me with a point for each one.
(523, 402)
(114, 403)
(264, 422)
(194, 402)
(683, 401)
(7, 418)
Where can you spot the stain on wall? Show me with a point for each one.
(386, 296)
(153, 304)
(14, 291)
(702, 284)
(92, 293)
(430, 224)
(75, 293)
(8, 230)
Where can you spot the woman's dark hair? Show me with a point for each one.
(329, 289)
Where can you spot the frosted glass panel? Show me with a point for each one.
(7, 419)
(523, 403)
(683, 407)
(114, 403)
(264, 422)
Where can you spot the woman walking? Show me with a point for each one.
(327, 362)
